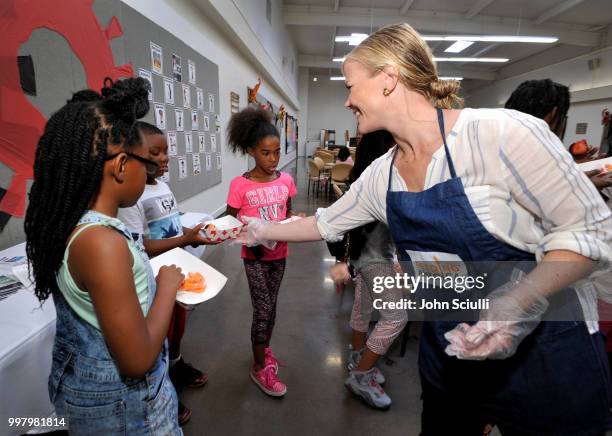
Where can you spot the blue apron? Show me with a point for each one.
(557, 383)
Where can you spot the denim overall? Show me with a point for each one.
(85, 384)
(557, 383)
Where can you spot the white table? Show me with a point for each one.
(26, 342)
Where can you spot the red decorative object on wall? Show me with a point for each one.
(21, 123)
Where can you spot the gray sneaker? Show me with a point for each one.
(364, 385)
(354, 357)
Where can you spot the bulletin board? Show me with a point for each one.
(184, 101)
(62, 46)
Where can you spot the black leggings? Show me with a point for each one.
(264, 277)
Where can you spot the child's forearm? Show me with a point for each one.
(155, 247)
(159, 315)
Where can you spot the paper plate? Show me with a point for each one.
(215, 281)
(599, 164)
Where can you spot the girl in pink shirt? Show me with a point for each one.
(263, 193)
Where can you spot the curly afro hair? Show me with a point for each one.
(249, 126)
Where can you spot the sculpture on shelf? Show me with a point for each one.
(254, 91)
(280, 116)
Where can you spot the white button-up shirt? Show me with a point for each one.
(523, 185)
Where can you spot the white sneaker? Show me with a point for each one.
(354, 357)
(363, 384)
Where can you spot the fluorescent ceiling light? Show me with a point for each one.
(336, 78)
(354, 39)
(450, 78)
(471, 59)
(488, 38)
(459, 46)
(338, 59)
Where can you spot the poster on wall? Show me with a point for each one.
(188, 142)
(288, 134)
(182, 162)
(234, 102)
(172, 144)
(146, 74)
(157, 62)
(168, 90)
(177, 71)
(196, 164)
(208, 162)
(206, 123)
(213, 142)
(211, 102)
(160, 116)
(186, 97)
(200, 98)
(194, 120)
(201, 142)
(180, 125)
(192, 71)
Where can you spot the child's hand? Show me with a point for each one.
(340, 273)
(301, 214)
(169, 278)
(194, 237)
(599, 179)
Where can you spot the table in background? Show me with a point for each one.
(27, 331)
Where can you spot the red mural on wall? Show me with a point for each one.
(21, 123)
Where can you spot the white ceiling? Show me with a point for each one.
(579, 24)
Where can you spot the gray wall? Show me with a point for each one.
(326, 109)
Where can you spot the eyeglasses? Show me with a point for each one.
(152, 166)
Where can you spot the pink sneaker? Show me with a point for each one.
(270, 359)
(268, 381)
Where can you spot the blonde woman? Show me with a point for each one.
(479, 185)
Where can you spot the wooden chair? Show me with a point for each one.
(326, 156)
(339, 174)
(315, 176)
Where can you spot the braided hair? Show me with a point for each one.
(539, 98)
(68, 168)
(249, 126)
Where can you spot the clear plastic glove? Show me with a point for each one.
(511, 316)
(252, 233)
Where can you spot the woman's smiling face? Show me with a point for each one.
(365, 98)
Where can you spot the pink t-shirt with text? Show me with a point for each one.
(264, 200)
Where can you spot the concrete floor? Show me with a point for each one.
(311, 338)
